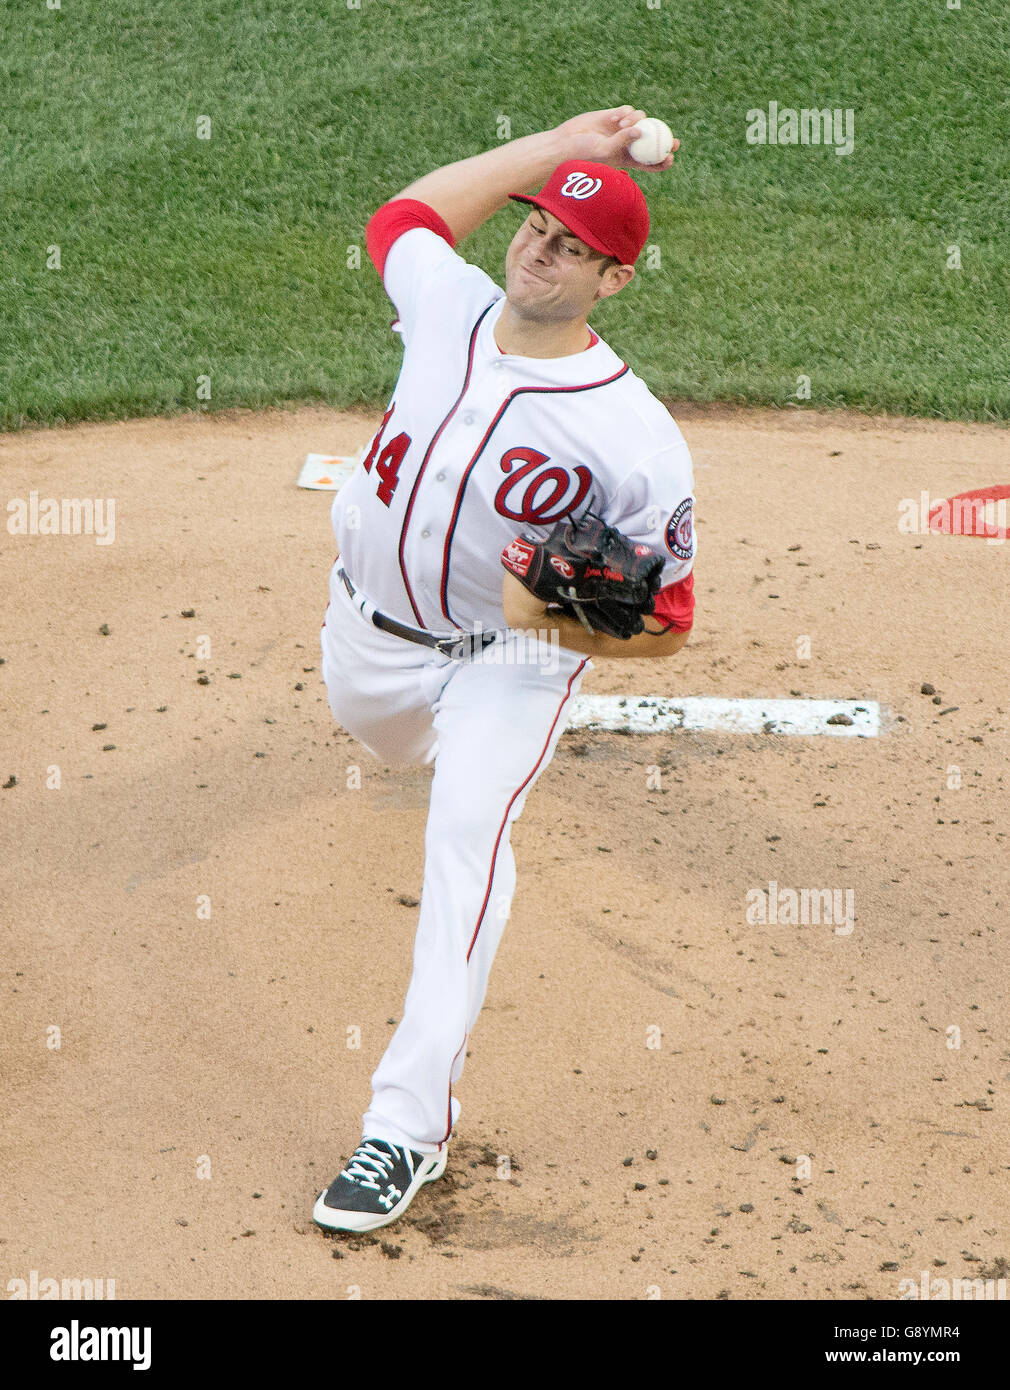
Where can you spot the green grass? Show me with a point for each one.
(227, 257)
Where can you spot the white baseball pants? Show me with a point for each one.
(490, 724)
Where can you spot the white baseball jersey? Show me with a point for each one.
(479, 446)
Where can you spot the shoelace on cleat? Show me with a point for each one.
(368, 1163)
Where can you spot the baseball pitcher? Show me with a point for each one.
(525, 506)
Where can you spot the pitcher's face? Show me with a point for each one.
(551, 275)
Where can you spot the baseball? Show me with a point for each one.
(654, 143)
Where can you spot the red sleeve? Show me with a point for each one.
(675, 604)
(395, 218)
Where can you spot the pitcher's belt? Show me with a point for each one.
(459, 645)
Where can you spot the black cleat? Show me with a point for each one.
(376, 1187)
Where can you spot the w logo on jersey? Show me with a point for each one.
(540, 495)
(579, 185)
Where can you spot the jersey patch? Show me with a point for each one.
(517, 556)
(680, 530)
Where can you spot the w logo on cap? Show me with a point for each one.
(602, 206)
(579, 185)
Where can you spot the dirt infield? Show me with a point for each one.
(653, 1066)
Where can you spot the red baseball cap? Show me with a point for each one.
(604, 207)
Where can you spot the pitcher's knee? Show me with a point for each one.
(473, 825)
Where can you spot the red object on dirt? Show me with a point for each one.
(968, 515)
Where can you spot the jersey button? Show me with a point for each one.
(439, 477)
(468, 418)
(425, 534)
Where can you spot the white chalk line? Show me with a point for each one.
(654, 714)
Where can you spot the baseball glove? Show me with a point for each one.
(592, 572)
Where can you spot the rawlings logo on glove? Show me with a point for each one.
(591, 571)
(517, 556)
